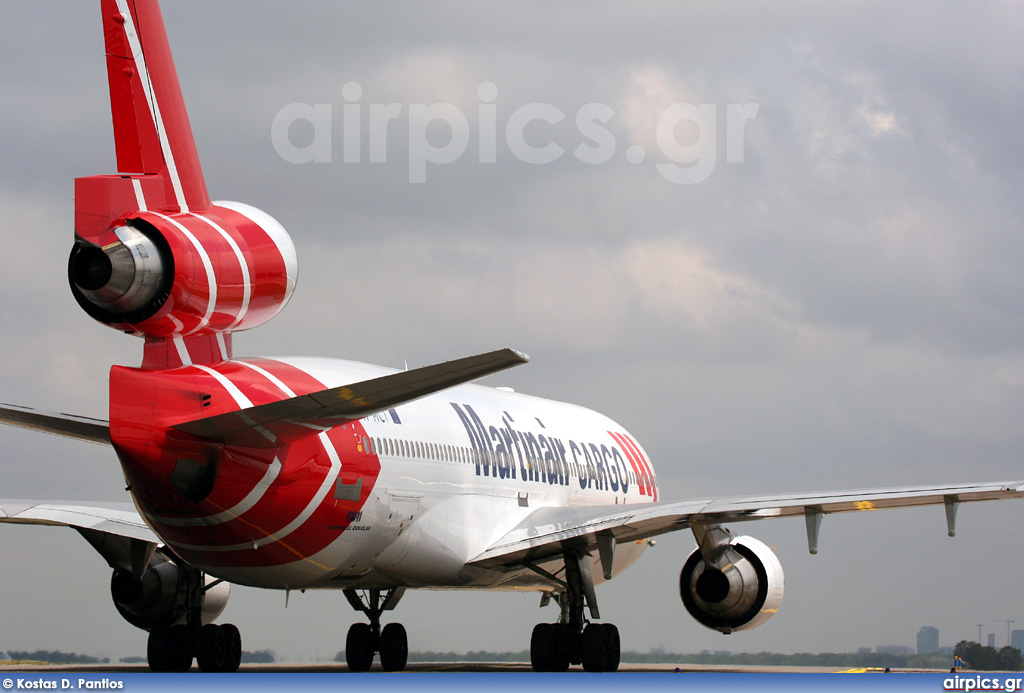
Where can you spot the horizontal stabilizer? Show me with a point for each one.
(278, 423)
(79, 427)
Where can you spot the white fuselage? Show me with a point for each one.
(459, 470)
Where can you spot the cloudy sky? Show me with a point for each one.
(832, 300)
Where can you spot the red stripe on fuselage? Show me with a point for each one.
(305, 469)
(632, 463)
(644, 463)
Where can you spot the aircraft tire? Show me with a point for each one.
(170, 649)
(600, 647)
(359, 647)
(541, 646)
(612, 650)
(394, 647)
(157, 647)
(594, 648)
(560, 648)
(211, 649)
(233, 640)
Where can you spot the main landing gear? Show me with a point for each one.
(176, 603)
(572, 640)
(367, 639)
(215, 648)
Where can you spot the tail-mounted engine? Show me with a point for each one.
(167, 595)
(739, 589)
(229, 267)
(153, 256)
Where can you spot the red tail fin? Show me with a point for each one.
(151, 129)
(152, 135)
(152, 256)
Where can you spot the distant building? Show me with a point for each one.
(5, 657)
(992, 640)
(1017, 639)
(927, 640)
(894, 650)
(863, 650)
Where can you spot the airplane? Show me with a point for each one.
(305, 473)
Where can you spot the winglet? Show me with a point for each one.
(279, 423)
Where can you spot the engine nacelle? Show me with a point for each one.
(742, 591)
(162, 597)
(230, 267)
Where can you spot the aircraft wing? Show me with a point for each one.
(118, 519)
(542, 533)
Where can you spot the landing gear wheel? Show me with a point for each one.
(549, 647)
(219, 648)
(158, 649)
(541, 646)
(560, 648)
(233, 645)
(612, 647)
(394, 647)
(170, 649)
(600, 647)
(211, 649)
(592, 646)
(359, 647)
(365, 640)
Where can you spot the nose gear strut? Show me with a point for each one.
(365, 640)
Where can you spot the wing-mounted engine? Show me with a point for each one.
(731, 583)
(166, 595)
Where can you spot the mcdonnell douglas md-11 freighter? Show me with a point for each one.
(296, 473)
